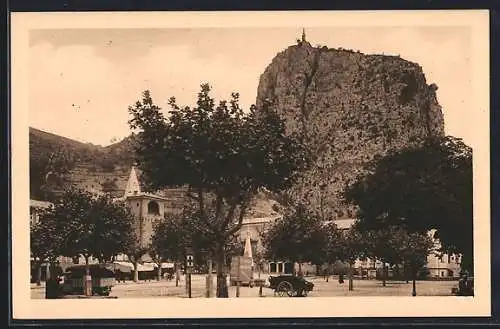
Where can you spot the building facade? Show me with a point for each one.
(148, 208)
(438, 265)
(36, 207)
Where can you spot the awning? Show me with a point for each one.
(128, 267)
(123, 267)
(145, 267)
(165, 265)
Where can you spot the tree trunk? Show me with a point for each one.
(350, 277)
(136, 272)
(38, 273)
(385, 274)
(209, 282)
(222, 290)
(177, 274)
(414, 278)
(47, 271)
(88, 278)
(159, 271)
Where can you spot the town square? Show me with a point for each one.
(325, 168)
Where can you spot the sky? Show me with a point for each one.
(82, 81)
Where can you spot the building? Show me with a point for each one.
(443, 265)
(252, 228)
(146, 207)
(36, 207)
(438, 265)
(149, 207)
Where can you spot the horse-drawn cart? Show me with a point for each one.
(290, 285)
(102, 278)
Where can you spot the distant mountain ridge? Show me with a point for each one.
(56, 162)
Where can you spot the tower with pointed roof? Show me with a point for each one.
(146, 207)
(303, 35)
(133, 186)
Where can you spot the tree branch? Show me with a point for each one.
(229, 216)
(243, 209)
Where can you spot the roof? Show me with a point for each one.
(40, 204)
(133, 188)
(343, 224)
(144, 195)
(133, 185)
(140, 267)
(259, 220)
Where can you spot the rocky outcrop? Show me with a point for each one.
(349, 107)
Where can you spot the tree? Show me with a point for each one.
(346, 246)
(391, 246)
(218, 152)
(423, 188)
(170, 239)
(415, 249)
(135, 249)
(89, 226)
(298, 237)
(177, 233)
(44, 245)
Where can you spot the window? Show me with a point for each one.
(153, 208)
(272, 267)
(280, 267)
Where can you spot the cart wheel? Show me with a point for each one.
(285, 288)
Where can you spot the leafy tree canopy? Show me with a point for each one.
(421, 188)
(44, 241)
(299, 236)
(220, 153)
(220, 149)
(88, 225)
(395, 245)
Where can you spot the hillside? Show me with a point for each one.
(98, 169)
(349, 108)
(57, 162)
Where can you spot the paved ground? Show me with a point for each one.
(321, 289)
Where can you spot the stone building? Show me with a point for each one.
(146, 207)
(37, 206)
(149, 207)
(438, 265)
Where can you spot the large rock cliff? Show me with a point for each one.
(349, 107)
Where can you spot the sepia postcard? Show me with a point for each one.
(250, 164)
